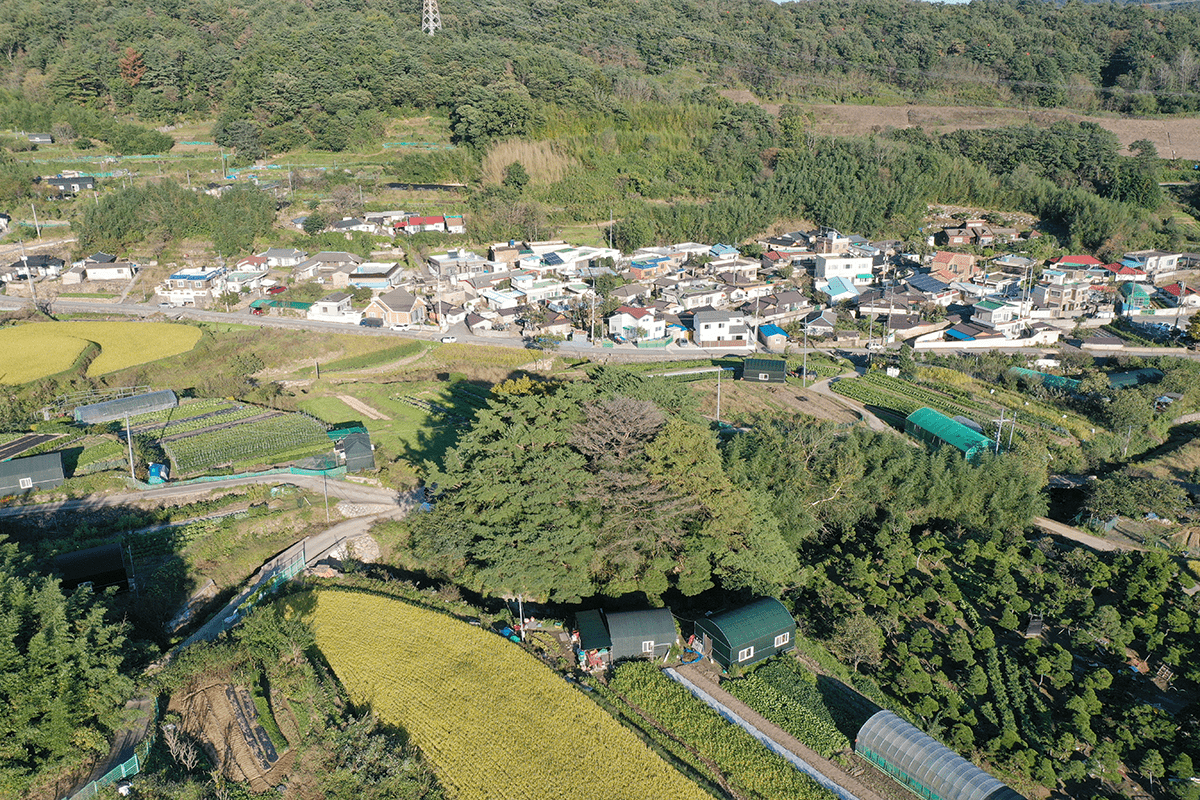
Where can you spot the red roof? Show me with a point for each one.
(774, 255)
(1076, 261)
(1177, 288)
(1121, 269)
(425, 221)
(636, 313)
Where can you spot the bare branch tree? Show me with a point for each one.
(181, 748)
(615, 429)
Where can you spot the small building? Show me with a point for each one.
(71, 185)
(648, 633)
(283, 257)
(773, 337)
(111, 271)
(747, 635)
(31, 474)
(764, 370)
(333, 308)
(924, 766)
(122, 407)
(356, 452)
(397, 307)
(602, 638)
(937, 429)
(39, 138)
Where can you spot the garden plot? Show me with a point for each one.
(274, 439)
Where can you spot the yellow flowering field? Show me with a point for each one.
(29, 352)
(493, 720)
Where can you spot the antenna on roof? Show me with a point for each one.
(431, 18)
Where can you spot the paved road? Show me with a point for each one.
(1083, 537)
(341, 490)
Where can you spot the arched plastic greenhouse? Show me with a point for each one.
(924, 766)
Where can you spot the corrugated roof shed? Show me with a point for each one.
(752, 621)
(593, 635)
(924, 765)
(634, 634)
(769, 370)
(933, 427)
(1053, 381)
(122, 407)
(19, 475)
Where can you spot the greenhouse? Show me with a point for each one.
(937, 429)
(923, 765)
(124, 407)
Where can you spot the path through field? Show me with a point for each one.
(361, 407)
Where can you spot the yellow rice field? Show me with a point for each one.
(40, 349)
(494, 721)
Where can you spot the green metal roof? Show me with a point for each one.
(593, 635)
(765, 617)
(949, 431)
(764, 364)
(1053, 381)
(989, 305)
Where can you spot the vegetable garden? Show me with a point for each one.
(492, 719)
(285, 434)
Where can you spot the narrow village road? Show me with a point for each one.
(1082, 537)
(341, 490)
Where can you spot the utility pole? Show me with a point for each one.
(325, 485)
(129, 444)
(1012, 426)
(804, 368)
(719, 371)
(36, 227)
(999, 428)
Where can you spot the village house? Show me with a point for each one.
(447, 314)
(856, 269)
(349, 225)
(193, 285)
(244, 281)
(324, 264)
(773, 337)
(457, 264)
(397, 307)
(378, 275)
(636, 323)
(70, 185)
(1060, 295)
(554, 325)
(334, 308)
(820, 323)
(37, 265)
(1132, 298)
(1122, 272)
(1155, 263)
(1004, 318)
(414, 225)
(283, 257)
(1180, 295)
(932, 290)
(693, 297)
(961, 265)
(720, 329)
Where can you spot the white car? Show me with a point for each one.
(403, 326)
(449, 339)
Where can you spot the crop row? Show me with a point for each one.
(863, 392)
(785, 693)
(921, 395)
(470, 701)
(752, 770)
(192, 408)
(221, 417)
(254, 440)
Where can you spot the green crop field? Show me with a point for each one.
(254, 441)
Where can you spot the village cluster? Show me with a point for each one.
(804, 284)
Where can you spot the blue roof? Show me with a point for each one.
(772, 330)
(723, 250)
(839, 287)
(926, 283)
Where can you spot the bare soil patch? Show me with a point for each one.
(742, 401)
(225, 722)
(1175, 137)
(362, 408)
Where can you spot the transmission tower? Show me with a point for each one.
(431, 19)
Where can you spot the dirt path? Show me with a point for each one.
(362, 408)
(1084, 538)
(777, 734)
(874, 422)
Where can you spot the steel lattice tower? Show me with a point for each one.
(431, 19)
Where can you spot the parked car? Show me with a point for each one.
(371, 322)
(449, 339)
(403, 326)
(276, 289)
(166, 305)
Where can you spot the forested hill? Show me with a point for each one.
(322, 72)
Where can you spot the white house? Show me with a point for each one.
(460, 263)
(334, 308)
(188, 287)
(1153, 262)
(847, 267)
(283, 257)
(1002, 317)
(244, 281)
(114, 271)
(720, 329)
(628, 321)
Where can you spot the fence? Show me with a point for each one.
(335, 472)
(132, 766)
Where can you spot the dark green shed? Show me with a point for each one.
(747, 635)
(648, 633)
(764, 370)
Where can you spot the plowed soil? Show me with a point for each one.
(208, 715)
